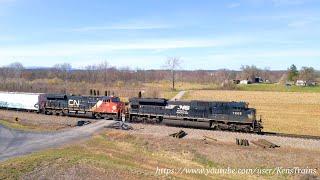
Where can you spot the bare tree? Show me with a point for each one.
(266, 73)
(250, 72)
(103, 68)
(173, 63)
(16, 68)
(63, 70)
(91, 73)
(307, 74)
(4, 73)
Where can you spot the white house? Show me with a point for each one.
(301, 83)
(245, 82)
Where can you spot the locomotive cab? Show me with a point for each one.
(109, 107)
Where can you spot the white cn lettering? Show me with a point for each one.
(74, 103)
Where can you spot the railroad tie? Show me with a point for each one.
(242, 142)
(264, 144)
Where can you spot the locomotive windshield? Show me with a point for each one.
(115, 99)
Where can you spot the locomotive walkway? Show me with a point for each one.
(16, 142)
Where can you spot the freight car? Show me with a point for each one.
(234, 116)
(108, 107)
(19, 101)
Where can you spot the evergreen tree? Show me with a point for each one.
(293, 73)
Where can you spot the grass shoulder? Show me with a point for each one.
(23, 127)
(112, 155)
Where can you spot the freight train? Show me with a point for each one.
(217, 115)
(108, 106)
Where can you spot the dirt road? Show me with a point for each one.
(15, 142)
(178, 96)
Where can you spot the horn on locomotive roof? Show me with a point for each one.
(140, 94)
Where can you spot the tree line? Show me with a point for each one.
(64, 78)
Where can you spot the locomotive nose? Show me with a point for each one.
(251, 114)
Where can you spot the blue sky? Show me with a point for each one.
(205, 34)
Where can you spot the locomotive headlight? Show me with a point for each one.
(114, 107)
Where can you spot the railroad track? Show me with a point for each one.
(290, 135)
(262, 133)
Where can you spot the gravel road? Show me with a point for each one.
(178, 96)
(15, 142)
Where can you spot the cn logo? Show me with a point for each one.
(74, 103)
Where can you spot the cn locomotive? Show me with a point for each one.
(216, 115)
(108, 107)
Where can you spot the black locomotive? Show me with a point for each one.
(234, 116)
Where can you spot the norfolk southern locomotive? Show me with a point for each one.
(234, 116)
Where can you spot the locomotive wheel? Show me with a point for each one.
(233, 127)
(63, 113)
(247, 129)
(98, 116)
(48, 113)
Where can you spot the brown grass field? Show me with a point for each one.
(287, 112)
(114, 154)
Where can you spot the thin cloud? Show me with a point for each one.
(131, 26)
(288, 2)
(233, 5)
(70, 49)
(304, 22)
(6, 1)
(302, 53)
(6, 38)
(277, 3)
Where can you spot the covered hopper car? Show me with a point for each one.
(19, 101)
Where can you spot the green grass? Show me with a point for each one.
(278, 88)
(16, 125)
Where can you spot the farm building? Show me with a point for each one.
(245, 82)
(305, 83)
